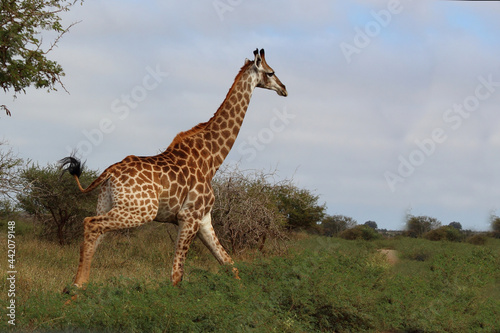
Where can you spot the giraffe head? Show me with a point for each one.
(266, 77)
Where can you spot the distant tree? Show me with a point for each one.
(23, 57)
(371, 224)
(56, 202)
(456, 225)
(333, 225)
(495, 225)
(416, 226)
(299, 206)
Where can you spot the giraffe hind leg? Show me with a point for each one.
(87, 249)
(94, 228)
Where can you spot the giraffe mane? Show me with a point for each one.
(198, 128)
(182, 135)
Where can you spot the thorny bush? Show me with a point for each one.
(245, 214)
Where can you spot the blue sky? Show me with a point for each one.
(139, 72)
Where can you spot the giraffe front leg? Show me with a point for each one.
(209, 238)
(186, 234)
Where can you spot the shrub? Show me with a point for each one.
(245, 214)
(445, 233)
(360, 232)
(56, 202)
(477, 239)
(419, 254)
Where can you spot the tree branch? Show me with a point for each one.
(6, 110)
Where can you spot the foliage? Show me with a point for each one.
(371, 224)
(333, 225)
(245, 215)
(416, 226)
(56, 201)
(23, 57)
(299, 206)
(445, 233)
(456, 225)
(360, 232)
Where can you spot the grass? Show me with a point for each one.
(320, 284)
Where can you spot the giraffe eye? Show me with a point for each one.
(270, 74)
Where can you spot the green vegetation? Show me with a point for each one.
(56, 202)
(23, 53)
(320, 284)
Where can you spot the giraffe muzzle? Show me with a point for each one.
(282, 92)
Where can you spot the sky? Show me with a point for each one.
(392, 105)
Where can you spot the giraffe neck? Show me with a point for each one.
(222, 129)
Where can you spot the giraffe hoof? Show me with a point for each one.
(67, 290)
(236, 273)
(73, 298)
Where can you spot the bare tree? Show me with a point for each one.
(10, 183)
(245, 214)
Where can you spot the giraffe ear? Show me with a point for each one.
(258, 60)
(247, 61)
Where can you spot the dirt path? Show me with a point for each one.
(391, 255)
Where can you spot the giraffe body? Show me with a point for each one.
(174, 186)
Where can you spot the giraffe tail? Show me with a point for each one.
(75, 168)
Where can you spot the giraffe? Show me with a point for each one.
(175, 185)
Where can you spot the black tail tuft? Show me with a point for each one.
(75, 167)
